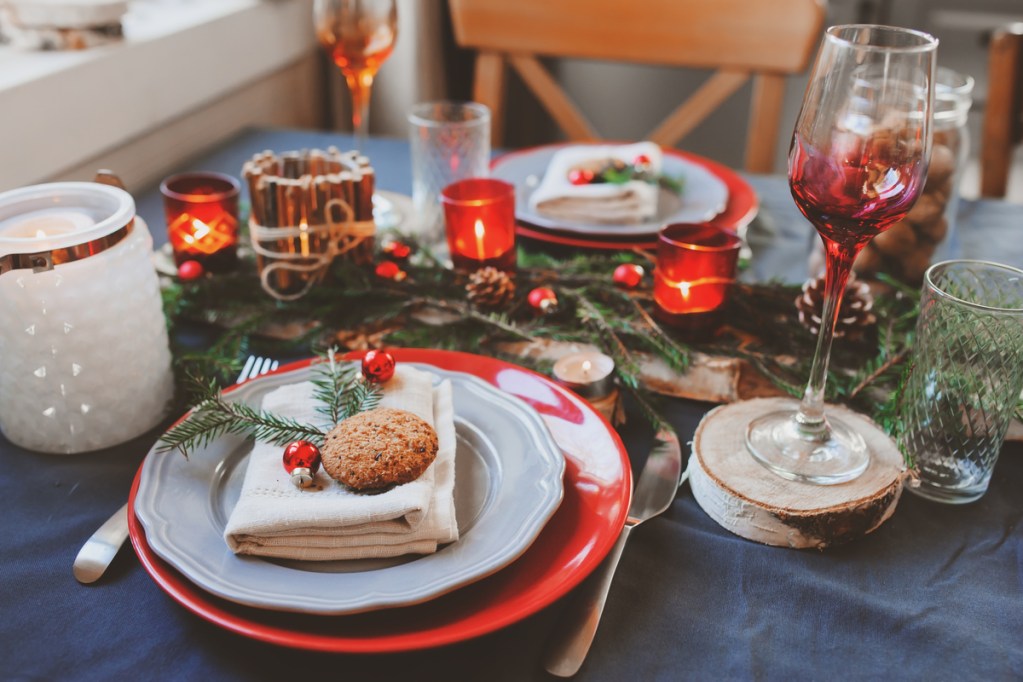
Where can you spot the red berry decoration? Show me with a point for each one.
(378, 366)
(628, 275)
(543, 299)
(390, 270)
(397, 251)
(641, 160)
(302, 461)
(580, 176)
(190, 270)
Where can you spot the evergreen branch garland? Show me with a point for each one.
(761, 326)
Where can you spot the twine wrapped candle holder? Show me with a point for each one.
(308, 208)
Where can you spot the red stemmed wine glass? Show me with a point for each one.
(857, 164)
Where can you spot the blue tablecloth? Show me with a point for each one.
(936, 593)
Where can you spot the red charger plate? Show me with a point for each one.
(575, 540)
(741, 208)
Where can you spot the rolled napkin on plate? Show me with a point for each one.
(611, 203)
(273, 518)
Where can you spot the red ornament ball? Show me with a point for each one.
(397, 250)
(378, 366)
(190, 270)
(628, 275)
(543, 299)
(580, 176)
(301, 460)
(391, 270)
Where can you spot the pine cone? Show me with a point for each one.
(490, 288)
(855, 316)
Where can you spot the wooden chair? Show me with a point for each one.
(766, 39)
(1003, 113)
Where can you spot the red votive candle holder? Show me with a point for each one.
(479, 215)
(695, 269)
(202, 219)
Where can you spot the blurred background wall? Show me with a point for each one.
(626, 101)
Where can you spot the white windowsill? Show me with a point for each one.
(59, 109)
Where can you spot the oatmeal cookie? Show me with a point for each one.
(379, 448)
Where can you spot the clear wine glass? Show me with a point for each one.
(360, 36)
(857, 164)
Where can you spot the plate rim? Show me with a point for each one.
(548, 487)
(502, 608)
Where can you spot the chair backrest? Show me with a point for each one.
(1003, 112)
(766, 39)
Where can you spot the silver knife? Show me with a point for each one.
(658, 482)
(100, 549)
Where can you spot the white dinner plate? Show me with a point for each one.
(704, 195)
(508, 483)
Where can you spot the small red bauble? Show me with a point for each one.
(301, 460)
(580, 176)
(397, 251)
(378, 366)
(189, 270)
(641, 160)
(543, 299)
(628, 275)
(390, 270)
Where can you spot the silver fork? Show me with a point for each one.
(256, 366)
(100, 549)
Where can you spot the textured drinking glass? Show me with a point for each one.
(966, 377)
(450, 142)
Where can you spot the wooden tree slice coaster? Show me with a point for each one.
(749, 500)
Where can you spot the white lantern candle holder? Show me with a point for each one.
(84, 356)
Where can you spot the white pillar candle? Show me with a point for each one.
(84, 356)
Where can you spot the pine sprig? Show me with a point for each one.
(330, 383)
(215, 416)
(359, 397)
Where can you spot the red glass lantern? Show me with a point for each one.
(202, 219)
(479, 214)
(696, 266)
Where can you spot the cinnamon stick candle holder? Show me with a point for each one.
(308, 208)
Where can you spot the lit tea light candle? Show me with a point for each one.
(589, 373)
(46, 223)
(479, 215)
(696, 267)
(84, 358)
(202, 218)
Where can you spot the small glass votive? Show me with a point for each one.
(202, 219)
(696, 266)
(449, 141)
(479, 214)
(966, 377)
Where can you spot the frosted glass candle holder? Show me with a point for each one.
(84, 355)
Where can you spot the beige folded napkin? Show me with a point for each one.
(601, 203)
(274, 518)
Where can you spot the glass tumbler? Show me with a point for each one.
(966, 376)
(450, 141)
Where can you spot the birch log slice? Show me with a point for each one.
(747, 499)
